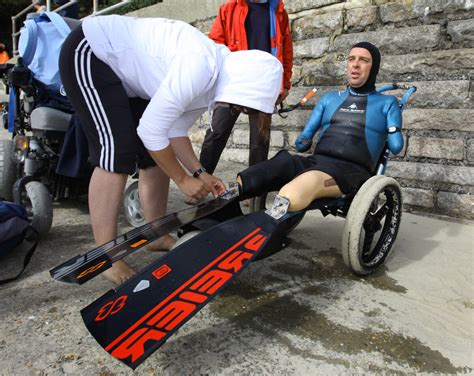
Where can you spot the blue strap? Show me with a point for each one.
(11, 110)
(273, 6)
(406, 96)
(57, 21)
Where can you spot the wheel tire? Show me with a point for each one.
(8, 170)
(131, 206)
(366, 218)
(39, 206)
(183, 239)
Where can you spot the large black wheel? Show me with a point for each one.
(131, 206)
(372, 224)
(8, 170)
(39, 206)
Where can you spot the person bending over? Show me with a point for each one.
(159, 74)
(354, 126)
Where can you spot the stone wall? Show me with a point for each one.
(427, 43)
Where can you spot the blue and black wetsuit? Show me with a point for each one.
(354, 129)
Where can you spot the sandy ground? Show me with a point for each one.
(300, 311)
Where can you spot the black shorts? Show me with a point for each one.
(348, 176)
(109, 117)
(273, 174)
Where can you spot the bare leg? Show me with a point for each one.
(153, 188)
(105, 197)
(305, 188)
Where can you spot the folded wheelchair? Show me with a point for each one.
(28, 161)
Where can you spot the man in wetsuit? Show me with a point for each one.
(355, 124)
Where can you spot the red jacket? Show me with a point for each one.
(229, 29)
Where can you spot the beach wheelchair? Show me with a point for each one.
(372, 215)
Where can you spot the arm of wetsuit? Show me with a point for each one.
(305, 139)
(394, 128)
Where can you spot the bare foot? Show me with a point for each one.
(165, 243)
(119, 272)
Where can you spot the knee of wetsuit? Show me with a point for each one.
(250, 182)
(264, 176)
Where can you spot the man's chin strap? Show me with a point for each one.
(279, 208)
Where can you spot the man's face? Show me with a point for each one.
(359, 64)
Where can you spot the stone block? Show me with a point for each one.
(317, 25)
(189, 11)
(442, 120)
(240, 137)
(204, 26)
(461, 31)
(456, 205)
(277, 139)
(418, 197)
(311, 48)
(359, 18)
(430, 172)
(439, 94)
(197, 136)
(292, 138)
(439, 65)
(427, 7)
(236, 155)
(297, 74)
(243, 120)
(438, 148)
(396, 11)
(324, 72)
(296, 119)
(295, 6)
(470, 150)
(408, 39)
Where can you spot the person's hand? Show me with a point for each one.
(193, 188)
(283, 96)
(213, 184)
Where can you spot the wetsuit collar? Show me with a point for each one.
(353, 91)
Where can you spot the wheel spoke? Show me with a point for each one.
(367, 246)
(381, 212)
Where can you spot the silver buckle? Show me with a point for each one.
(232, 192)
(279, 207)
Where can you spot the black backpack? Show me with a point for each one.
(16, 232)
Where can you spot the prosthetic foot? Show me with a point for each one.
(279, 207)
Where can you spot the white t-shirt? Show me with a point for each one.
(167, 61)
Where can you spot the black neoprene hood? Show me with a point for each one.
(369, 86)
